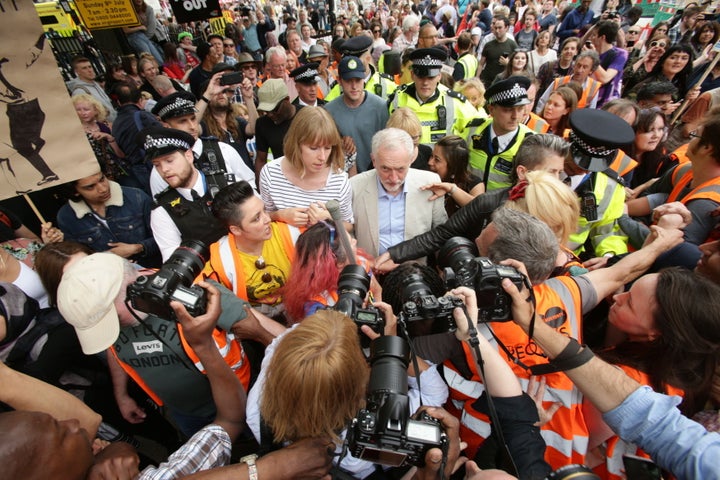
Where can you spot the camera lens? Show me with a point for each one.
(188, 260)
(389, 358)
(354, 281)
(459, 254)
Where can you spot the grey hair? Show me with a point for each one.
(275, 51)
(409, 22)
(522, 237)
(393, 139)
(534, 149)
(589, 54)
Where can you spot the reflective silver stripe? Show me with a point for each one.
(449, 113)
(229, 338)
(226, 259)
(578, 444)
(568, 398)
(469, 388)
(475, 424)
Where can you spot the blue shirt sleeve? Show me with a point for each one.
(676, 443)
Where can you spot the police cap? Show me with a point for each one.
(595, 137)
(174, 105)
(356, 46)
(427, 62)
(159, 141)
(307, 73)
(511, 92)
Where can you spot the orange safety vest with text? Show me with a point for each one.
(558, 301)
(682, 176)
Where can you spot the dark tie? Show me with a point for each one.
(195, 195)
(496, 145)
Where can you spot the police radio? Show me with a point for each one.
(442, 117)
(588, 206)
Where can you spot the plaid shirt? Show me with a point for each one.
(208, 448)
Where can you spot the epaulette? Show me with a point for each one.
(387, 76)
(457, 95)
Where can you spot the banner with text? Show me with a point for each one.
(99, 14)
(194, 10)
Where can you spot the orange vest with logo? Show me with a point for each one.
(622, 164)
(559, 304)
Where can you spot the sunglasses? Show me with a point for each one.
(658, 44)
(261, 265)
(228, 45)
(634, 32)
(376, 31)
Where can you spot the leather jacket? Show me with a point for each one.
(467, 222)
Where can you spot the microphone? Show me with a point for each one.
(333, 206)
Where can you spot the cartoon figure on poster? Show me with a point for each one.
(25, 119)
(42, 143)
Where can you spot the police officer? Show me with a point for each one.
(493, 142)
(595, 138)
(306, 84)
(380, 84)
(441, 111)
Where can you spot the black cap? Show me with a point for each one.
(337, 45)
(307, 73)
(351, 67)
(159, 141)
(356, 46)
(511, 92)
(595, 137)
(427, 62)
(174, 105)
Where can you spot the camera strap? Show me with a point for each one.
(183, 358)
(494, 419)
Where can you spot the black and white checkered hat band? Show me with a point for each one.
(307, 75)
(427, 61)
(152, 143)
(516, 92)
(183, 107)
(578, 143)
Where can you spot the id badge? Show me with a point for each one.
(503, 166)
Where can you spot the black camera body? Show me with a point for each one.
(152, 294)
(463, 268)
(353, 286)
(383, 432)
(422, 312)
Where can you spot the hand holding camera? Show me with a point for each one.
(198, 330)
(464, 315)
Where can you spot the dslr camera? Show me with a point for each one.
(462, 267)
(353, 286)
(152, 294)
(422, 312)
(383, 432)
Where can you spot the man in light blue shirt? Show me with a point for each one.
(388, 203)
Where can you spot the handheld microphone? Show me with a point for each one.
(333, 206)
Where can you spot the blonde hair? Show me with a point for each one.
(313, 126)
(316, 380)
(405, 119)
(475, 83)
(101, 112)
(551, 201)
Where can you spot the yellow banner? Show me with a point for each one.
(99, 14)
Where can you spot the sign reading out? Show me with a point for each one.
(194, 10)
(100, 14)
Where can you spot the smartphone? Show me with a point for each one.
(588, 44)
(631, 43)
(639, 468)
(232, 78)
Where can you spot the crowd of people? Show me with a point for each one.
(321, 164)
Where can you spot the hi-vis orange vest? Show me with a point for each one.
(680, 154)
(615, 447)
(537, 124)
(682, 175)
(592, 87)
(221, 250)
(231, 351)
(622, 164)
(558, 302)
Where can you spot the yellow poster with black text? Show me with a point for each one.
(42, 143)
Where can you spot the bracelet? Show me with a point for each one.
(252, 468)
(204, 99)
(452, 190)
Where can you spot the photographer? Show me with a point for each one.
(635, 413)
(92, 297)
(560, 301)
(313, 382)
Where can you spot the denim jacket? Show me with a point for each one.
(127, 215)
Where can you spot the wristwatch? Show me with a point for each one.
(252, 468)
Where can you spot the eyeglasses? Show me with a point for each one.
(634, 32)
(694, 134)
(658, 44)
(261, 265)
(228, 45)
(376, 31)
